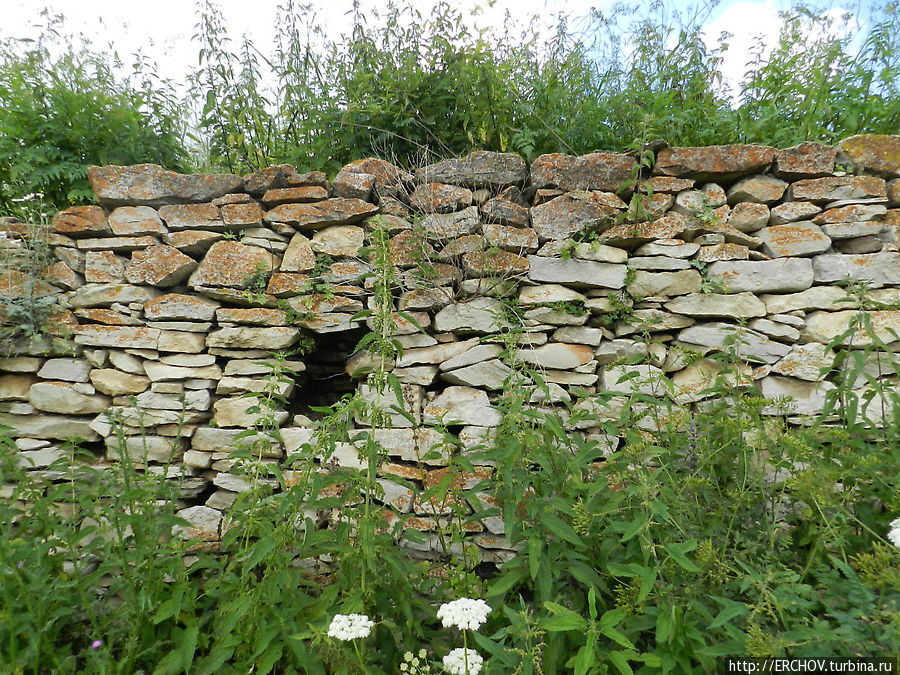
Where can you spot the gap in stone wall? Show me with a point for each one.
(325, 379)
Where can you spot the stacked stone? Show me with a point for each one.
(177, 289)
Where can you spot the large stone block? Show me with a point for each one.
(714, 162)
(784, 275)
(152, 185)
(580, 273)
(607, 171)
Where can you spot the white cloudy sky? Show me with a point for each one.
(163, 28)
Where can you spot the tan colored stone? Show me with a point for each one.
(116, 383)
(103, 267)
(283, 285)
(670, 226)
(807, 160)
(192, 216)
(192, 242)
(64, 398)
(162, 266)
(152, 185)
(505, 211)
(122, 337)
(241, 215)
(838, 188)
(134, 221)
(255, 316)
(316, 215)
(15, 387)
(557, 356)
(98, 295)
(757, 189)
(564, 216)
(876, 153)
(605, 171)
(81, 221)
(516, 239)
(877, 269)
(180, 307)
(253, 338)
(122, 244)
(440, 198)
(709, 305)
(338, 240)
(308, 193)
(715, 161)
(233, 265)
(491, 262)
(825, 326)
(716, 252)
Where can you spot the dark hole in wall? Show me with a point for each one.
(325, 379)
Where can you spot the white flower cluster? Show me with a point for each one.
(894, 534)
(455, 662)
(464, 613)
(350, 626)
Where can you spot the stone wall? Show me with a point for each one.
(176, 290)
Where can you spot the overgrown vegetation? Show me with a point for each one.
(410, 85)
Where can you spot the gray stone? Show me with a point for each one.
(49, 426)
(817, 297)
(234, 412)
(775, 330)
(673, 248)
(547, 294)
(826, 326)
(20, 364)
(600, 253)
(564, 216)
(784, 275)
(635, 379)
(69, 370)
(805, 362)
(792, 211)
(748, 217)
(838, 231)
(658, 263)
(714, 305)
(579, 335)
(159, 372)
(801, 238)
(477, 354)
(486, 375)
(338, 240)
(247, 337)
(481, 315)
(747, 344)
(576, 272)
(204, 523)
(878, 269)
(442, 226)
(479, 169)
(116, 383)
(146, 448)
(462, 405)
(759, 189)
(190, 400)
(806, 398)
(387, 403)
(104, 295)
(211, 439)
(60, 397)
(651, 321)
(665, 283)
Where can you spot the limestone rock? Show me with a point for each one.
(486, 375)
(246, 337)
(826, 326)
(161, 372)
(783, 275)
(832, 189)
(758, 189)
(180, 307)
(664, 283)
(161, 266)
(876, 153)
(852, 213)
(791, 211)
(61, 397)
(353, 185)
(547, 294)
(713, 305)
(204, 523)
(452, 225)
(672, 248)
(192, 217)
(15, 387)
(718, 252)
(605, 171)
(57, 427)
(462, 405)
(807, 160)
(491, 263)
(192, 242)
(670, 226)
(66, 369)
(564, 216)
(103, 267)
(481, 315)
(748, 344)
(576, 272)
(557, 356)
(316, 215)
(713, 162)
(235, 412)
(600, 253)
(440, 198)
(478, 170)
(409, 249)
(231, 264)
(152, 185)
(387, 402)
(516, 239)
(878, 269)
(338, 240)
(135, 221)
(505, 212)
(122, 337)
(805, 362)
(801, 238)
(635, 379)
(806, 398)
(116, 383)
(81, 221)
(241, 215)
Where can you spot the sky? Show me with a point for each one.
(162, 29)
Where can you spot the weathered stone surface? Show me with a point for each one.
(842, 231)
(62, 276)
(152, 185)
(461, 405)
(234, 412)
(651, 321)
(256, 316)
(20, 364)
(103, 267)
(579, 335)
(791, 211)
(758, 189)
(748, 217)
(505, 212)
(192, 217)
(878, 269)
(776, 330)
(134, 221)
(121, 244)
(635, 379)
(452, 225)
(516, 239)
(697, 202)
(486, 375)
(572, 212)
(15, 387)
(818, 297)
(180, 307)
(192, 242)
(241, 215)
(832, 189)
(316, 215)
(49, 426)
(806, 398)
(161, 372)
(600, 253)
(748, 344)
(162, 266)
(576, 272)
(64, 398)
(188, 400)
(123, 337)
(784, 275)
(805, 362)
(116, 383)
(440, 198)
(81, 221)
(665, 283)
(851, 213)
(715, 161)
(253, 338)
(557, 356)
(427, 299)
(338, 240)
(547, 294)
(670, 226)
(801, 238)
(672, 248)
(807, 160)
(491, 262)
(541, 316)
(409, 401)
(353, 185)
(714, 305)
(204, 523)
(708, 254)
(481, 315)
(825, 326)
(605, 171)
(307, 193)
(231, 264)
(876, 153)
(478, 170)
(66, 369)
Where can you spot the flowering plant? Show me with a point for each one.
(350, 626)
(464, 613)
(893, 534)
(462, 661)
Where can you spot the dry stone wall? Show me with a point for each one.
(607, 277)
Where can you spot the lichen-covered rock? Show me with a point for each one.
(337, 241)
(801, 238)
(715, 305)
(481, 315)
(714, 162)
(670, 226)
(505, 211)
(872, 152)
(491, 262)
(316, 215)
(878, 269)
(192, 216)
(443, 226)
(104, 295)
(792, 211)
(757, 189)
(409, 249)
(180, 307)
(807, 160)
(63, 398)
(241, 215)
(606, 171)
(440, 198)
(297, 195)
(353, 185)
(480, 169)
(81, 221)
(246, 337)
(461, 405)
(579, 273)
(232, 264)
(152, 185)
(784, 275)
(134, 221)
(835, 188)
(162, 266)
(570, 213)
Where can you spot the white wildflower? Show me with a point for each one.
(893, 534)
(455, 662)
(464, 613)
(350, 626)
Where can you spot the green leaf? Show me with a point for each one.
(585, 658)
(678, 551)
(731, 610)
(620, 661)
(563, 619)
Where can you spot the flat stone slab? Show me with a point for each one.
(462, 405)
(152, 185)
(878, 269)
(747, 344)
(582, 273)
(717, 305)
(784, 275)
(800, 238)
